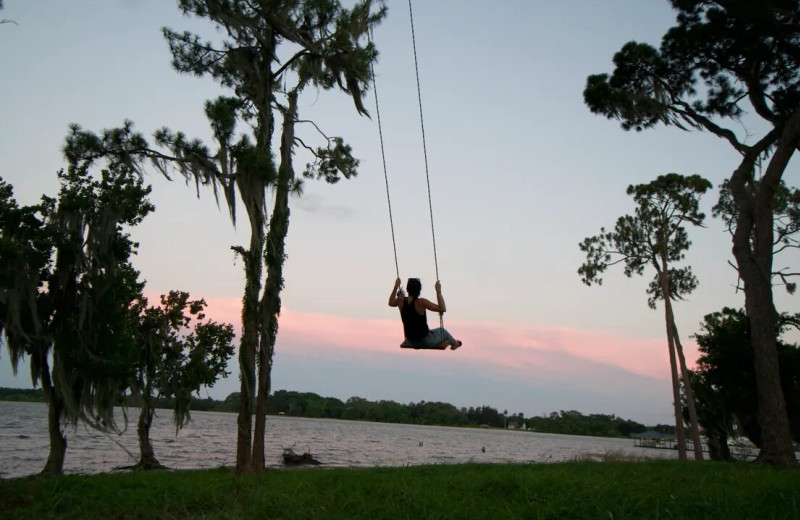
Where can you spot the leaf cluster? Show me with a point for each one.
(786, 221)
(327, 51)
(181, 351)
(26, 260)
(654, 236)
(726, 374)
(67, 287)
(720, 55)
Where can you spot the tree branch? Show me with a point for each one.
(323, 134)
(304, 52)
(756, 96)
(304, 145)
(688, 113)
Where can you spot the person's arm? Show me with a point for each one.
(439, 306)
(395, 296)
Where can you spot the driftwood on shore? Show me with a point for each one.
(292, 458)
(143, 466)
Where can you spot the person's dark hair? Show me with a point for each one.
(414, 287)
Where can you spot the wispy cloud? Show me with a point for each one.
(314, 203)
(511, 348)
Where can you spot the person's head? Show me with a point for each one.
(414, 287)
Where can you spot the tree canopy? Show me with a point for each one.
(726, 368)
(180, 352)
(66, 293)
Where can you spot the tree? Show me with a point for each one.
(326, 49)
(786, 223)
(656, 236)
(722, 58)
(66, 294)
(176, 360)
(727, 376)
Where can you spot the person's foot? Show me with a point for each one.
(458, 344)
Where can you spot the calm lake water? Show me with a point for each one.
(209, 441)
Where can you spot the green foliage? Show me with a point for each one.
(726, 373)
(575, 490)
(717, 56)
(575, 423)
(67, 287)
(22, 395)
(654, 236)
(93, 287)
(307, 404)
(786, 222)
(27, 243)
(178, 357)
(484, 416)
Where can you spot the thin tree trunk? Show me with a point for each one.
(694, 427)
(753, 250)
(676, 392)
(676, 399)
(58, 442)
(252, 190)
(275, 257)
(147, 457)
(246, 391)
(249, 343)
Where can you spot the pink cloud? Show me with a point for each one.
(524, 349)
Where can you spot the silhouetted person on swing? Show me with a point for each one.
(415, 321)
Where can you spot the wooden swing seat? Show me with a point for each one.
(442, 345)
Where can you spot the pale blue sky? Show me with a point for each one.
(521, 172)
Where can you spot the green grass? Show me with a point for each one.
(607, 490)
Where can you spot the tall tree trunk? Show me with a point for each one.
(676, 398)
(694, 427)
(753, 250)
(673, 365)
(275, 257)
(776, 443)
(250, 450)
(147, 457)
(252, 186)
(251, 326)
(58, 442)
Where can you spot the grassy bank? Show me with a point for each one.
(609, 490)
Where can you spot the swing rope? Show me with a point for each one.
(424, 152)
(383, 157)
(424, 147)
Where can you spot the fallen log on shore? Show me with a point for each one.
(295, 459)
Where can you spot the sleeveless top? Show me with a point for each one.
(415, 325)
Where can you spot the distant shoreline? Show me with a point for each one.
(311, 405)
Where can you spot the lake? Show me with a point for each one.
(209, 441)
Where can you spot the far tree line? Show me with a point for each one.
(308, 404)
